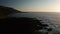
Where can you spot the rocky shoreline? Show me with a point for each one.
(24, 25)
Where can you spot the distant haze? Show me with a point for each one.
(33, 5)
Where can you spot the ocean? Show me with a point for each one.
(53, 17)
(48, 17)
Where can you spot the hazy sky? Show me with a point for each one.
(33, 5)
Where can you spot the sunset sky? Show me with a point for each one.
(33, 5)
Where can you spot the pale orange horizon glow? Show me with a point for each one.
(41, 6)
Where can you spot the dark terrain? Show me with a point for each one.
(20, 25)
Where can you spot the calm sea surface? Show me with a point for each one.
(50, 17)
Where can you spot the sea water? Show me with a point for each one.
(48, 17)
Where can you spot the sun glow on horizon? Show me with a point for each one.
(58, 8)
(33, 5)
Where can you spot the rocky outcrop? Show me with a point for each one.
(23, 24)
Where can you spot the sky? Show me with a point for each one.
(33, 5)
